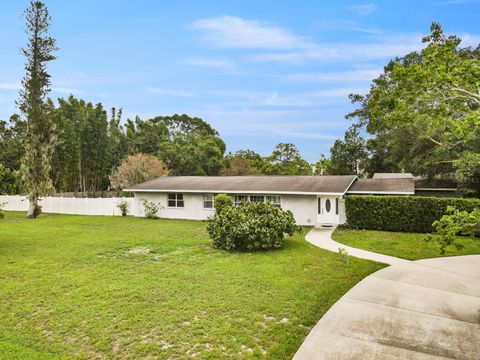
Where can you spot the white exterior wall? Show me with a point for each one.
(74, 206)
(193, 209)
(303, 207)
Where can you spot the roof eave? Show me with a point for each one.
(232, 192)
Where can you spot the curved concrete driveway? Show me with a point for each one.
(322, 237)
(426, 309)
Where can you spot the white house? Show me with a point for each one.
(312, 199)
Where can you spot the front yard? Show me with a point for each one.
(410, 246)
(130, 288)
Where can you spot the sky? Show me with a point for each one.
(261, 72)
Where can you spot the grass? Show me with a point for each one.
(78, 287)
(410, 246)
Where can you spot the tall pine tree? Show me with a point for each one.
(34, 104)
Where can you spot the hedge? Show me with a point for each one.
(400, 213)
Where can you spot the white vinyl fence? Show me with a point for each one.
(71, 205)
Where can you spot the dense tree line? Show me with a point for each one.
(92, 144)
(422, 115)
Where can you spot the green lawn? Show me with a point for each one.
(409, 246)
(105, 287)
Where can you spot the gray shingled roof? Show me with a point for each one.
(248, 184)
(388, 186)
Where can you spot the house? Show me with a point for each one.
(312, 199)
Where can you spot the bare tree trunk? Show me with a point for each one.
(31, 208)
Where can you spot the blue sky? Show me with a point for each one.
(261, 72)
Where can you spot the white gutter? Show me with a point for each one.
(382, 192)
(232, 192)
(436, 189)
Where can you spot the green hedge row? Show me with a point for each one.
(400, 213)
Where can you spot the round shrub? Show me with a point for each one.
(221, 202)
(251, 226)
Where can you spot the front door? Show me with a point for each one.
(327, 210)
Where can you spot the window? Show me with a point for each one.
(275, 200)
(239, 198)
(176, 200)
(328, 205)
(208, 201)
(257, 198)
(336, 206)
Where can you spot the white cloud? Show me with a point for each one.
(170, 92)
(346, 25)
(363, 9)
(469, 39)
(276, 99)
(456, 2)
(376, 49)
(66, 90)
(10, 86)
(283, 46)
(333, 77)
(17, 86)
(210, 62)
(235, 32)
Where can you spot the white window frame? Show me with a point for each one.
(274, 199)
(208, 198)
(237, 201)
(257, 196)
(176, 200)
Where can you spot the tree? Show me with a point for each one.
(255, 159)
(348, 155)
(87, 150)
(427, 105)
(467, 172)
(137, 169)
(238, 166)
(286, 160)
(193, 153)
(117, 141)
(10, 181)
(145, 136)
(40, 132)
(322, 166)
(188, 146)
(12, 135)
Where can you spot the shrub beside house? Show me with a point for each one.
(401, 213)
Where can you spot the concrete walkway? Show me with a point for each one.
(426, 309)
(322, 237)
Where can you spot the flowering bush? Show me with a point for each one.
(151, 209)
(251, 226)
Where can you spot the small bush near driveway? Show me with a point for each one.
(251, 226)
